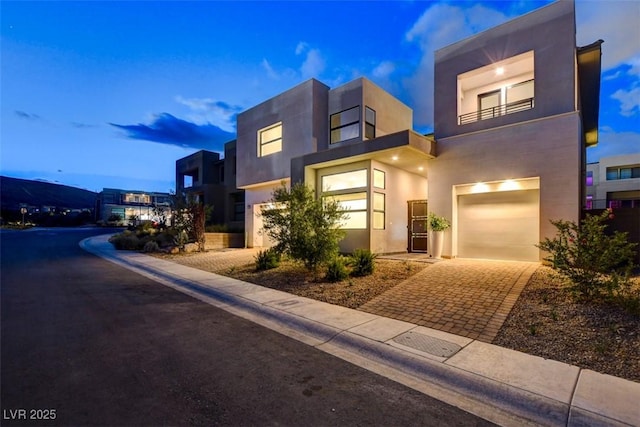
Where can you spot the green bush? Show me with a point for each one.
(596, 263)
(267, 259)
(126, 240)
(362, 262)
(151, 246)
(336, 270)
(305, 228)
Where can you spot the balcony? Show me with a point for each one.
(497, 111)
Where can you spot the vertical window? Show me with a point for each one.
(270, 140)
(378, 211)
(369, 123)
(345, 125)
(589, 178)
(378, 179)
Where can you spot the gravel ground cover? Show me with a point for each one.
(546, 320)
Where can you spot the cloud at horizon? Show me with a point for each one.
(170, 130)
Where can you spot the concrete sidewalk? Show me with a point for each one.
(503, 386)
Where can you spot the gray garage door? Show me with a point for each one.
(499, 225)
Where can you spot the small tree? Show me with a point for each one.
(189, 219)
(594, 261)
(305, 228)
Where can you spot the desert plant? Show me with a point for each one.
(125, 241)
(596, 263)
(304, 227)
(336, 270)
(267, 259)
(362, 262)
(151, 246)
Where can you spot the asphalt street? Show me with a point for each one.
(86, 342)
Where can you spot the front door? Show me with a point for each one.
(417, 226)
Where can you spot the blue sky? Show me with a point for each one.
(111, 94)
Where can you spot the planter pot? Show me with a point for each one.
(437, 243)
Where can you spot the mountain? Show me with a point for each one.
(15, 192)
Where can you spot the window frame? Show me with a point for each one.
(333, 128)
(377, 210)
(262, 144)
(369, 127)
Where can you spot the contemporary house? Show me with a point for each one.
(212, 181)
(128, 203)
(614, 182)
(515, 109)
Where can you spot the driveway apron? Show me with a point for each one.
(466, 297)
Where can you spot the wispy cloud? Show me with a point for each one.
(79, 125)
(383, 70)
(210, 111)
(313, 64)
(170, 130)
(27, 116)
(629, 101)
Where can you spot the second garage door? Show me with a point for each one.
(499, 225)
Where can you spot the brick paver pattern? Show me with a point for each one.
(470, 298)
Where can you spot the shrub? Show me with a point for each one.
(267, 259)
(362, 262)
(151, 246)
(125, 241)
(595, 262)
(304, 227)
(336, 270)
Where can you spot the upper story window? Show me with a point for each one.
(589, 178)
(345, 125)
(369, 123)
(270, 140)
(623, 172)
(494, 90)
(137, 198)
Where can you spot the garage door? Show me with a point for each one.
(499, 225)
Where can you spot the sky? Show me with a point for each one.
(110, 94)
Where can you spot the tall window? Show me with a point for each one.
(345, 125)
(348, 189)
(378, 211)
(369, 123)
(270, 140)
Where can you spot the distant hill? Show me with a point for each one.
(15, 192)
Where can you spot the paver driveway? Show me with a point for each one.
(471, 298)
(466, 297)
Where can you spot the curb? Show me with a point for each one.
(504, 401)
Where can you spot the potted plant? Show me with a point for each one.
(437, 226)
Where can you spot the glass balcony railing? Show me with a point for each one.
(497, 111)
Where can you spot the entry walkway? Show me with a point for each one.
(471, 298)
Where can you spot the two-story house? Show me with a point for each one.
(614, 182)
(211, 180)
(515, 108)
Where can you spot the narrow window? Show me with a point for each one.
(378, 179)
(378, 211)
(489, 105)
(270, 140)
(369, 123)
(345, 125)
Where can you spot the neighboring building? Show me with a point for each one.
(212, 181)
(614, 182)
(126, 204)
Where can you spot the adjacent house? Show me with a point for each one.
(614, 182)
(127, 204)
(515, 109)
(211, 180)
